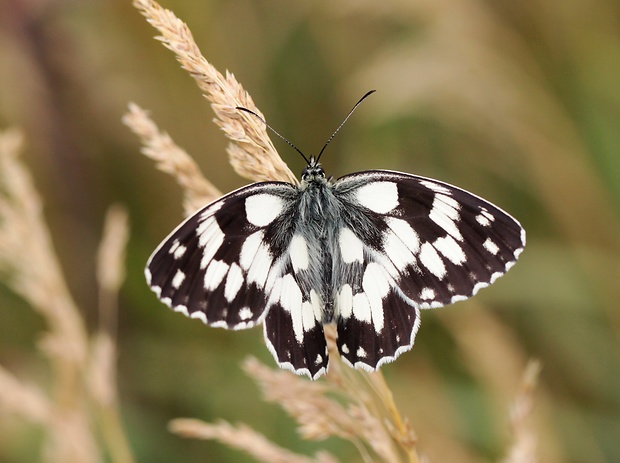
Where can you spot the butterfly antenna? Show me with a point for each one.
(241, 108)
(343, 122)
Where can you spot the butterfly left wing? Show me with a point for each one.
(409, 243)
(236, 263)
(214, 266)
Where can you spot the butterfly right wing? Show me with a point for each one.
(214, 266)
(409, 243)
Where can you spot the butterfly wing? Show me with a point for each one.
(422, 244)
(294, 322)
(231, 265)
(214, 266)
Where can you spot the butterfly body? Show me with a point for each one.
(366, 251)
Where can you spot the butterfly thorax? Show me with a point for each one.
(318, 220)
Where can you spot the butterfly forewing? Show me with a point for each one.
(214, 266)
(443, 242)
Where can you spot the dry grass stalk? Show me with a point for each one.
(171, 159)
(102, 365)
(25, 400)
(523, 449)
(110, 265)
(243, 438)
(28, 261)
(251, 154)
(31, 269)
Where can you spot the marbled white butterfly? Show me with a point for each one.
(366, 251)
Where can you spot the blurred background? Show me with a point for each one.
(517, 102)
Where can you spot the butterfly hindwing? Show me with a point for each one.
(293, 325)
(375, 321)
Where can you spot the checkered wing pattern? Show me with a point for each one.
(422, 244)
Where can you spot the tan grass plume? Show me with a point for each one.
(251, 152)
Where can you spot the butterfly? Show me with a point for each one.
(366, 251)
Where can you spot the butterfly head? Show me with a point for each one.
(313, 173)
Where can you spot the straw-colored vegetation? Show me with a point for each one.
(79, 413)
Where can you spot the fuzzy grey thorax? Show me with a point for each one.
(319, 214)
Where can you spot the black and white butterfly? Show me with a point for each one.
(366, 251)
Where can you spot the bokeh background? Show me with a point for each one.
(518, 102)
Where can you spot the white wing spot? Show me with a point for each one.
(290, 299)
(299, 253)
(318, 359)
(177, 281)
(487, 214)
(317, 306)
(344, 349)
(445, 213)
(437, 188)
(450, 249)
(361, 308)
(379, 197)
(376, 286)
(308, 319)
(490, 246)
(398, 252)
(262, 209)
(255, 259)
(427, 294)
(482, 220)
(495, 276)
(199, 315)
(361, 353)
(249, 249)
(181, 309)
(179, 252)
(212, 210)
(216, 271)
(432, 261)
(404, 231)
(245, 313)
(177, 249)
(259, 270)
(479, 286)
(351, 247)
(210, 237)
(234, 281)
(344, 301)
